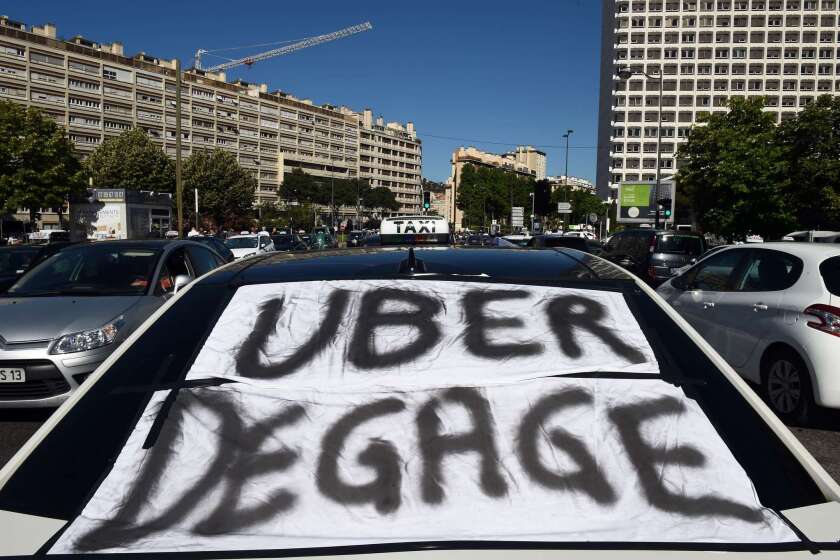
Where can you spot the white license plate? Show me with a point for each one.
(12, 375)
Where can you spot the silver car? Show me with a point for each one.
(66, 315)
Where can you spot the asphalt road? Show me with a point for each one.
(822, 437)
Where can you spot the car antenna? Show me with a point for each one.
(412, 264)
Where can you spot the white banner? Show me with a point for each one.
(240, 467)
(341, 335)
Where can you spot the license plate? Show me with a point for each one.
(12, 375)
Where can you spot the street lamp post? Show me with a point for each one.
(625, 74)
(566, 176)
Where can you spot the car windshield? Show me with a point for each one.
(691, 245)
(90, 270)
(12, 261)
(241, 242)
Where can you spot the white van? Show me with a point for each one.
(412, 230)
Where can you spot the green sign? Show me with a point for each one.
(635, 194)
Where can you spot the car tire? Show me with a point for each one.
(786, 384)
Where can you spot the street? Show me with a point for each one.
(822, 438)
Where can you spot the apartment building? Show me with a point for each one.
(707, 51)
(576, 183)
(96, 91)
(524, 160)
(390, 156)
(532, 158)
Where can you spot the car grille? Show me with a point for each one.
(43, 380)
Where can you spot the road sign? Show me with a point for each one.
(565, 211)
(563, 206)
(593, 217)
(517, 216)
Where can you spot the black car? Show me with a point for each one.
(578, 243)
(355, 238)
(288, 242)
(654, 255)
(14, 260)
(216, 244)
(17, 259)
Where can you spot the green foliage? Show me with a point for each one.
(304, 188)
(731, 172)
(225, 189)
(131, 161)
(300, 216)
(380, 199)
(583, 203)
(38, 168)
(811, 169)
(486, 193)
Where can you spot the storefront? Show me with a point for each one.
(120, 214)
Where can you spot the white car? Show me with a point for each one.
(580, 233)
(249, 245)
(772, 310)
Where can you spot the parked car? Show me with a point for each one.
(15, 260)
(216, 244)
(772, 310)
(288, 242)
(68, 313)
(581, 233)
(581, 243)
(248, 245)
(441, 402)
(817, 236)
(355, 238)
(518, 239)
(654, 255)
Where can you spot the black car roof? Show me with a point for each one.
(517, 264)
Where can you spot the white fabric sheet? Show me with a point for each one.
(172, 509)
(433, 414)
(448, 362)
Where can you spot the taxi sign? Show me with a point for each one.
(414, 230)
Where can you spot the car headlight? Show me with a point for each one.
(88, 340)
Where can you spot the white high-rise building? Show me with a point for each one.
(787, 51)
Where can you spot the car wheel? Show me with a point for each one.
(787, 386)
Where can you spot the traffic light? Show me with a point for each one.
(427, 200)
(542, 198)
(665, 203)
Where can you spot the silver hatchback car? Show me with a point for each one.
(66, 315)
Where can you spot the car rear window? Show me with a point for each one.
(691, 245)
(387, 412)
(830, 271)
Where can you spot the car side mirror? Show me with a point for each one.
(181, 281)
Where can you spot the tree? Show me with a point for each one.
(131, 161)
(730, 173)
(583, 203)
(300, 186)
(811, 171)
(38, 168)
(380, 199)
(485, 192)
(225, 188)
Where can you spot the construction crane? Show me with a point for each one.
(296, 46)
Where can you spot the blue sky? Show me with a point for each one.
(494, 71)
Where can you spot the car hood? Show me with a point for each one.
(46, 318)
(239, 253)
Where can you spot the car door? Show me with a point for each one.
(176, 264)
(203, 260)
(752, 309)
(702, 287)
